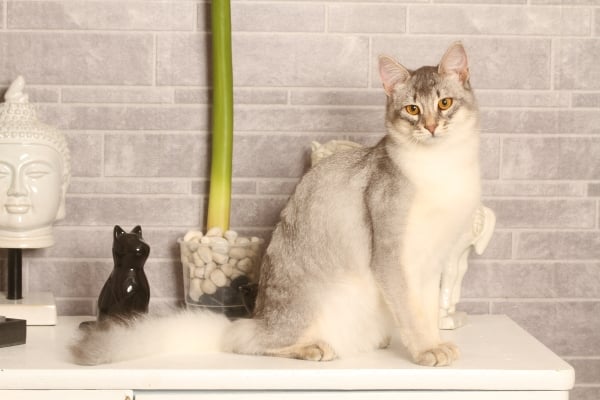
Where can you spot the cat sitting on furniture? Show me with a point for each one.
(361, 244)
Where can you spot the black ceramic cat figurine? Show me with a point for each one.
(126, 292)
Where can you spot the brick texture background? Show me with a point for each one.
(128, 82)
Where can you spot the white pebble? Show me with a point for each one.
(191, 268)
(230, 236)
(192, 235)
(192, 246)
(244, 264)
(216, 231)
(218, 241)
(219, 258)
(218, 278)
(208, 268)
(195, 289)
(242, 240)
(205, 254)
(227, 269)
(208, 286)
(236, 273)
(220, 249)
(199, 272)
(219, 245)
(237, 252)
(197, 259)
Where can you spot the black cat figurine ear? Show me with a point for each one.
(118, 232)
(126, 292)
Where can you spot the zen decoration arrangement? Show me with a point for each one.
(220, 268)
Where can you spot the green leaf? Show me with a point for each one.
(219, 201)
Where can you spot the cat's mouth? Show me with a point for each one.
(425, 136)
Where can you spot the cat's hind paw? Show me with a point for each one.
(442, 355)
(318, 351)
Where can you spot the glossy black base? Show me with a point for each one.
(12, 332)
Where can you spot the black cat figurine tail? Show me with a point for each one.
(126, 292)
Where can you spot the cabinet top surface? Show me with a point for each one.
(496, 354)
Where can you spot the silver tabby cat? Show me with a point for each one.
(361, 244)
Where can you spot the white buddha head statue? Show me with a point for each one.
(34, 173)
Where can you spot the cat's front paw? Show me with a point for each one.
(442, 355)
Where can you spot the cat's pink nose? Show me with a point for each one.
(431, 128)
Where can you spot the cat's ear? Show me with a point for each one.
(137, 230)
(118, 232)
(391, 73)
(455, 62)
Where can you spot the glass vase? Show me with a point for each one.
(221, 274)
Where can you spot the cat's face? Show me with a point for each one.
(431, 104)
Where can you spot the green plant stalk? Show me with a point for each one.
(219, 200)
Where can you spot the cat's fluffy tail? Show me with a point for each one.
(190, 332)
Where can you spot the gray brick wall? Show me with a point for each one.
(128, 82)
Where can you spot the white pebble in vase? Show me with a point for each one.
(227, 269)
(195, 289)
(192, 235)
(219, 258)
(244, 264)
(205, 254)
(215, 232)
(208, 286)
(231, 236)
(237, 252)
(218, 278)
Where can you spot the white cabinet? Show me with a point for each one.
(66, 394)
(499, 361)
(359, 395)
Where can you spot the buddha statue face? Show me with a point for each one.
(34, 173)
(31, 187)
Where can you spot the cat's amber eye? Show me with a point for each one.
(445, 103)
(412, 109)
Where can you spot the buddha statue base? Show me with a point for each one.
(37, 308)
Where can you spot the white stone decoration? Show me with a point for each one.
(477, 238)
(216, 260)
(34, 173)
(320, 151)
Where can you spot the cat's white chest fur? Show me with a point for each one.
(447, 190)
(445, 175)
